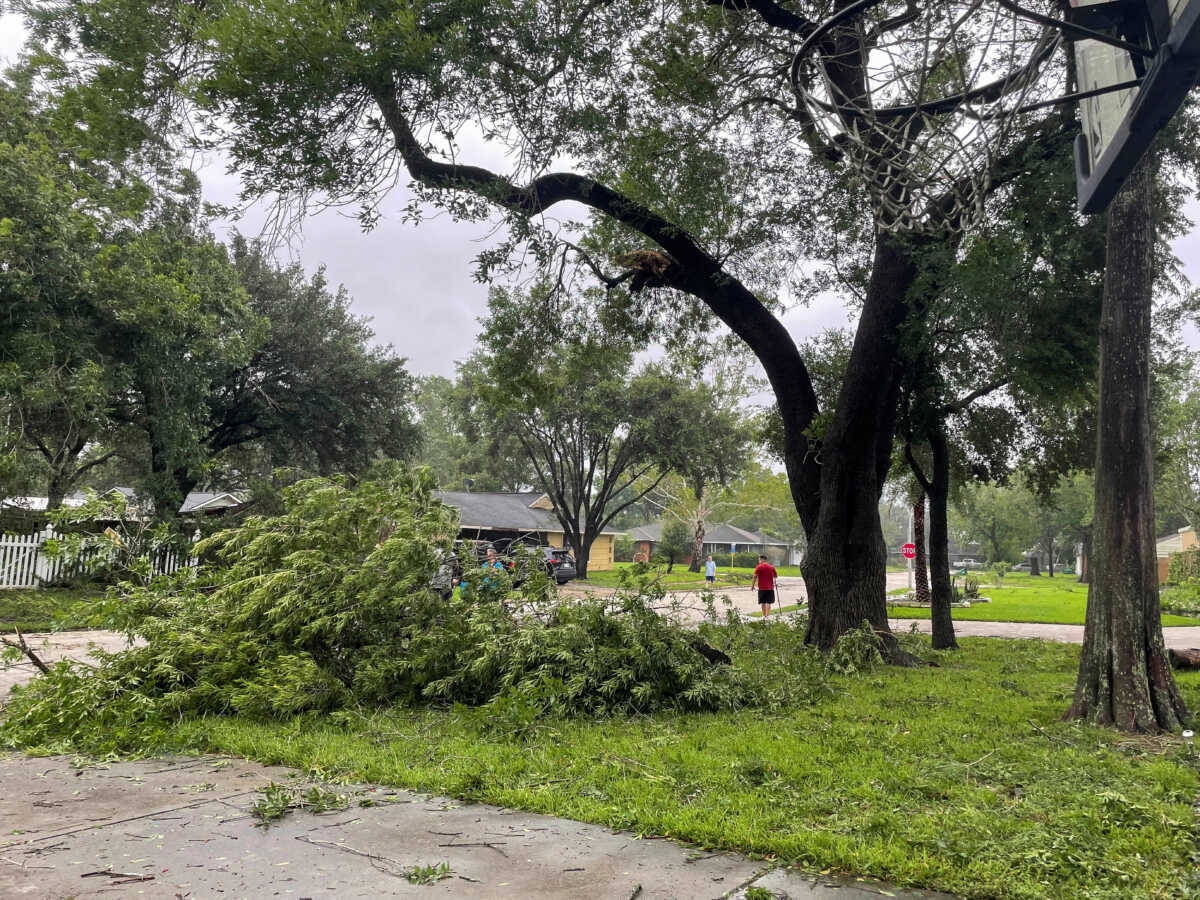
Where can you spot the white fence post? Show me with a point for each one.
(44, 568)
(24, 563)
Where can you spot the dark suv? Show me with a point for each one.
(560, 565)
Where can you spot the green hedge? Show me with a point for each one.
(741, 560)
(1182, 599)
(1184, 566)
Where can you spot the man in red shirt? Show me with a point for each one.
(764, 579)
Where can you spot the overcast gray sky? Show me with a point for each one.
(414, 282)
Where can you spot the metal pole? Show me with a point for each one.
(909, 562)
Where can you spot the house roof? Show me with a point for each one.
(196, 501)
(203, 501)
(504, 510)
(713, 534)
(1171, 543)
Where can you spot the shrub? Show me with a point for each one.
(1184, 566)
(330, 605)
(623, 548)
(675, 543)
(1182, 599)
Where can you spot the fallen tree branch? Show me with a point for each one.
(24, 648)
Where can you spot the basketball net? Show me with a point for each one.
(924, 101)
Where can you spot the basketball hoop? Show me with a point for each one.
(924, 100)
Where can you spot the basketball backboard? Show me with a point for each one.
(1120, 125)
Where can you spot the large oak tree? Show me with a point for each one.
(685, 135)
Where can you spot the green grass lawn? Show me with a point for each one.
(959, 778)
(680, 578)
(36, 610)
(1058, 600)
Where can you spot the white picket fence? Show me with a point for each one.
(24, 562)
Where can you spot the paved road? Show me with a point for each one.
(50, 648)
(181, 827)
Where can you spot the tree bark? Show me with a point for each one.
(845, 563)
(939, 543)
(56, 489)
(697, 546)
(582, 553)
(1085, 569)
(921, 561)
(698, 536)
(1125, 677)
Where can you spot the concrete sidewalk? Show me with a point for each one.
(182, 828)
(1179, 636)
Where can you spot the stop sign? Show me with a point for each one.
(909, 550)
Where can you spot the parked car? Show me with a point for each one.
(560, 565)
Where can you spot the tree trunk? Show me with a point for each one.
(56, 489)
(845, 563)
(921, 561)
(582, 551)
(939, 544)
(1050, 557)
(1085, 556)
(1125, 678)
(63, 470)
(697, 545)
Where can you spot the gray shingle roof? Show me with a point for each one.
(502, 510)
(713, 534)
(508, 511)
(209, 500)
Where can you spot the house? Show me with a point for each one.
(196, 503)
(718, 539)
(524, 516)
(1166, 547)
(209, 503)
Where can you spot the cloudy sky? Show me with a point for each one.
(414, 282)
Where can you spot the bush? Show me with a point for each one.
(623, 548)
(1182, 599)
(1184, 566)
(331, 605)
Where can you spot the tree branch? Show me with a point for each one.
(915, 466)
(772, 14)
(966, 400)
(24, 648)
(103, 458)
(696, 272)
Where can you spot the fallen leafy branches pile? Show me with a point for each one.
(330, 606)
